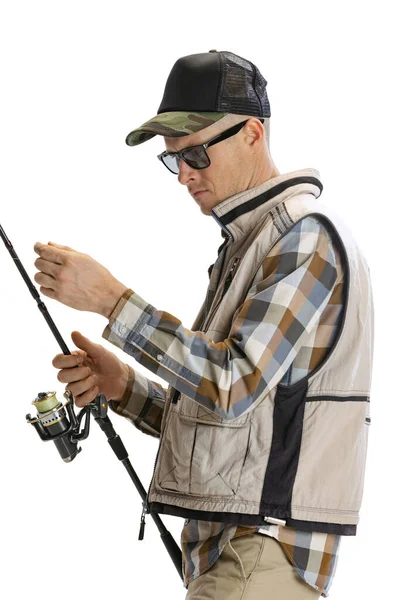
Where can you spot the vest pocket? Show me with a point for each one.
(333, 448)
(173, 464)
(217, 460)
(202, 456)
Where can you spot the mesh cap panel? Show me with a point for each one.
(243, 88)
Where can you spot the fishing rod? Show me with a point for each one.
(52, 423)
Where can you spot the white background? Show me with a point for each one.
(76, 77)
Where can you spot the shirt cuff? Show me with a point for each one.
(128, 320)
(120, 305)
(118, 406)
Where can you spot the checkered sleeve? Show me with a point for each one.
(284, 304)
(142, 403)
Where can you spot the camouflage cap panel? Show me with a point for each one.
(173, 124)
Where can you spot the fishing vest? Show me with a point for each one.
(300, 454)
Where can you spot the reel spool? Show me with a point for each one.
(52, 423)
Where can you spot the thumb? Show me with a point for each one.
(84, 343)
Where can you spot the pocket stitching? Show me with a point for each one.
(213, 419)
(239, 559)
(260, 550)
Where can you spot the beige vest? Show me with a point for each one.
(298, 458)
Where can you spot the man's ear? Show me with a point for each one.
(254, 134)
(254, 129)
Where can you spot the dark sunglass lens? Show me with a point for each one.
(172, 163)
(196, 157)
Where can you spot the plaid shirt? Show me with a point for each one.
(303, 275)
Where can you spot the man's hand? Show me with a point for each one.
(98, 372)
(76, 279)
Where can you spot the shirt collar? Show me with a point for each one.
(238, 214)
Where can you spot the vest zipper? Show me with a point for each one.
(230, 275)
(145, 503)
(227, 283)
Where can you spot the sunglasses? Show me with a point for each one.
(196, 156)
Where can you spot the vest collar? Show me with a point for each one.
(238, 214)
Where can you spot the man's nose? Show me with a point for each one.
(186, 172)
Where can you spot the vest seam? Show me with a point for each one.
(284, 215)
(206, 498)
(327, 510)
(280, 217)
(339, 393)
(278, 226)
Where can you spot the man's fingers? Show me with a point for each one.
(50, 293)
(49, 253)
(79, 353)
(77, 388)
(62, 247)
(46, 266)
(84, 399)
(46, 281)
(66, 361)
(71, 375)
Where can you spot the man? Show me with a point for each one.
(263, 428)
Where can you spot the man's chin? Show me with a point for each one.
(205, 206)
(205, 210)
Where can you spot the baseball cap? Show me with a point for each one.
(201, 89)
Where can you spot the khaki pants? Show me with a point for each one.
(251, 567)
